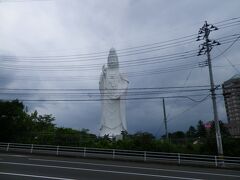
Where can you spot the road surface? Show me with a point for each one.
(17, 166)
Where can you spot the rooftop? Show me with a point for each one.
(232, 79)
(236, 76)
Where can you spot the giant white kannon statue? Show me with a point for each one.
(113, 88)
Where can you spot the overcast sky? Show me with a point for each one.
(65, 28)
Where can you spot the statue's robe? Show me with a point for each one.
(113, 88)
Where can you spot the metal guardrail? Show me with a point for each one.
(178, 158)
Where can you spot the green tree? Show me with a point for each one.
(13, 121)
(223, 129)
(143, 140)
(66, 137)
(201, 130)
(192, 132)
(16, 125)
(177, 135)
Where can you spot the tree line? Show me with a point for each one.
(18, 125)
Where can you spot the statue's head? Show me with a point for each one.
(113, 59)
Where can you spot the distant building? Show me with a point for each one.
(231, 91)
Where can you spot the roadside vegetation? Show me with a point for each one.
(17, 125)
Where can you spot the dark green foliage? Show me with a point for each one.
(14, 121)
(17, 125)
(201, 130)
(192, 132)
(224, 130)
(67, 137)
(143, 141)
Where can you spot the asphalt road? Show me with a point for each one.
(14, 166)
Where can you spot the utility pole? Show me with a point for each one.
(205, 48)
(165, 119)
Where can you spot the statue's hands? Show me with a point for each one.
(104, 69)
(102, 79)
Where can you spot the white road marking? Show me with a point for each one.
(99, 170)
(13, 155)
(34, 176)
(138, 167)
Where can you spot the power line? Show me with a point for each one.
(228, 60)
(131, 49)
(76, 58)
(189, 109)
(226, 20)
(94, 89)
(88, 94)
(76, 68)
(140, 62)
(163, 58)
(189, 97)
(230, 24)
(132, 74)
(229, 47)
(16, 1)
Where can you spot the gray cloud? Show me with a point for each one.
(63, 27)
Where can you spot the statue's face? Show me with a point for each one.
(112, 59)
